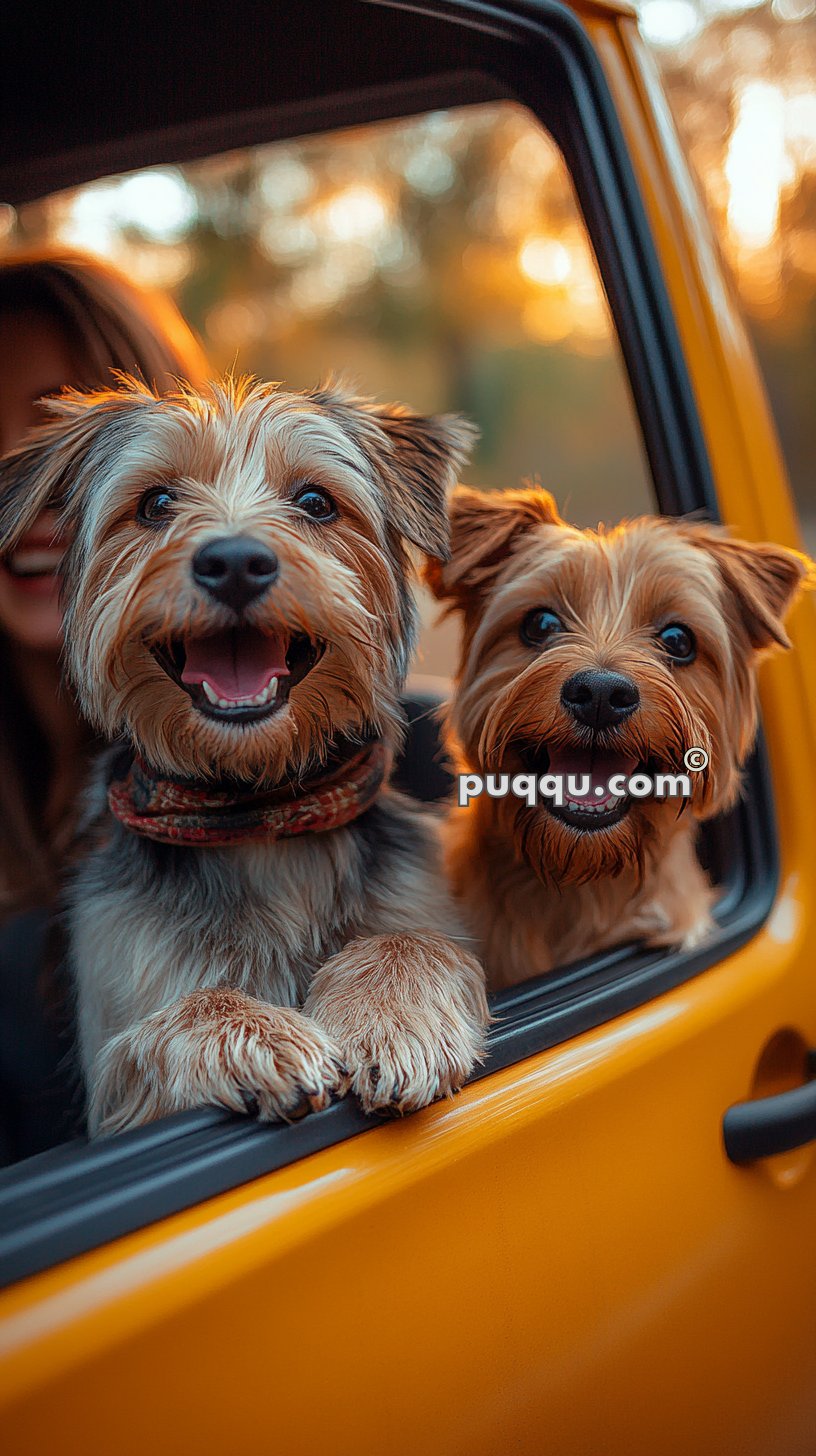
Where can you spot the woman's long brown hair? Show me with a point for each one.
(108, 324)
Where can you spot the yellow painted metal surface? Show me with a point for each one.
(560, 1260)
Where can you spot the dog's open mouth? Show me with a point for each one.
(238, 675)
(589, 804)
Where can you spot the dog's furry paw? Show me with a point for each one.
(397, 1071)
(409, 1015)
(697, 934)
(220, 1048)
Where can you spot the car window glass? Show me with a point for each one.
(440, 260)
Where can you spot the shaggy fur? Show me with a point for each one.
(275, 973)
(541, 891)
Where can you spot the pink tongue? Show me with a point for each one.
(598, 767)
(235, 664)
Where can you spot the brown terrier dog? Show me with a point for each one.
(262, 919)
(598, 654)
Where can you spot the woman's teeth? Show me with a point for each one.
(266, 695)
(34, 563)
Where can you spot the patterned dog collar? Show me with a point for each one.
(175, 812)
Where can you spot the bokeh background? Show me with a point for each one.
(442, 259)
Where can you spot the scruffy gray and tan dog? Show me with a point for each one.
(261, 919)
(595, 656)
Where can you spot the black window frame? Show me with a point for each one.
(78, 1196)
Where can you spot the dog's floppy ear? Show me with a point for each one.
(417, 459)
(762, 579)
(484, 528)
(53, 462)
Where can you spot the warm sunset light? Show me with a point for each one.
(158, 204)
(668, 22)
(545, 260)
(756, 165)
(358, 212)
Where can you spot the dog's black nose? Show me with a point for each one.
(599, 699)
(235, 570)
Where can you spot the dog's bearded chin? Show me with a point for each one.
(239, 674)
(594, 808)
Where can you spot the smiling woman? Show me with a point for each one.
(64, 319)
(35, 360)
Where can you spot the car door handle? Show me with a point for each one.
(770, 1125)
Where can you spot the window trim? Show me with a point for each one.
(73, 1198)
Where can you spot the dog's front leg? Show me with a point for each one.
(676, 905)
(219, 1047)
(409, 1014)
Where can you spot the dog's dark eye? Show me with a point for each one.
(539, 626)
(155, 506)
(679, 642)
(316, 504)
